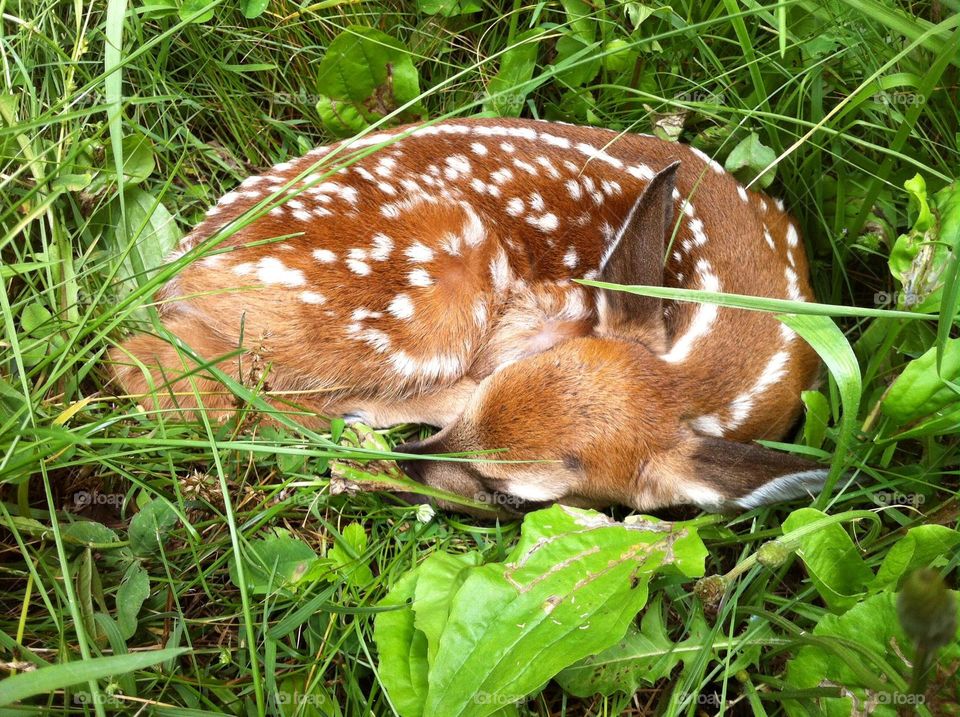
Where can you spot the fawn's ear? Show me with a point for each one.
(635, 256)
(717, 474)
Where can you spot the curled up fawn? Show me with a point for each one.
(425, 275)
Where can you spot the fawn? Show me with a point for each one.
(424, 275)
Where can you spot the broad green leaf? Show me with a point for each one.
(151, 227)
(919, 548)
(817, 418)
(569, 589)
(158, 9)
(510, 86)
(863, 652)
(364, 76)
(293, 700)
(581, 18)
(35, 320)
(133, 591)
(403, 649)
(832, 560)
(448, 8)
(347, 555)
(918, 259)
(619, 55)
(276, 562)
(189, 7)
(948, 203)
(441, 576)
(939, 423)
(920, 389)
(57, 677)
(138, 159)
(253, 8)
(88, 534)
(643, 657)
(149, 527)
(832, 346)
(577, 60)
(72, 182)
(750, 159)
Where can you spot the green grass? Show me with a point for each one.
(852, 98)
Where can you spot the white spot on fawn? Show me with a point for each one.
(703, 318)
(792, 236)
(419, 277)
(358, 267)
(324, 256)
(570, 259)
(419, 252)
(515, 207)
(401, 307)
(271, 270)
(312, 297)
(382, 246)
(479, 149)
(545, 223)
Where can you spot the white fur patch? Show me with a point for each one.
(401, 307)
(545, 223)
(703, 497)
(703, 318)
(324, 256)
(515, 207)
(420, 277)
(708, 425)
(419, 252)
(312, 297)
(273, 271)
(382, 246)
(787, 487)
(358, 267)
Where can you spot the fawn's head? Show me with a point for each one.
(600, 419)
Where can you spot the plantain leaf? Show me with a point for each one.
(832, 560)
(866, 652)
(919, 548)
(569, 589)
(750, 160)
(364, 76)
(510, 86)
(641, 658)
(921, 389)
